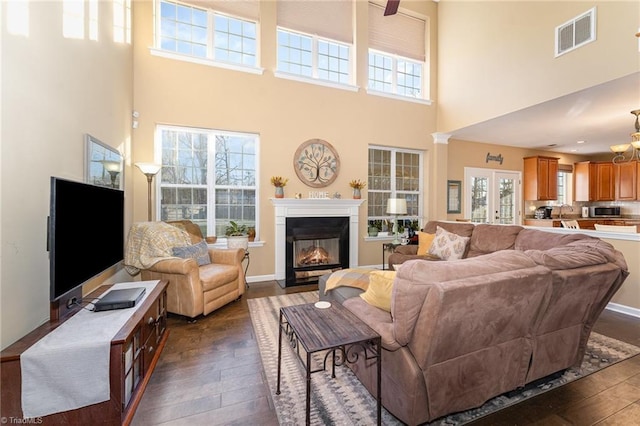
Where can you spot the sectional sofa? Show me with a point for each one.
(518, 306)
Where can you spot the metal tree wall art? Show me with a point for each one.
(316, 163)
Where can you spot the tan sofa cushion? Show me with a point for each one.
(491, 238)
(215, 275)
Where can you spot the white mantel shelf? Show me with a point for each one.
(314, 207)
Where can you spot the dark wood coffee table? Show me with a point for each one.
(333, 329)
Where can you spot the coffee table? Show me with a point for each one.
(333, 329)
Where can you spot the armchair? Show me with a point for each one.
(194, 290)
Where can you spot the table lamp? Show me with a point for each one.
(396, 206)
(149, 170)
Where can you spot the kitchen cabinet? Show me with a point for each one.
(540, 178)
(594, 181)
(626, 180)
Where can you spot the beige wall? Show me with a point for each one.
(284, 113)
(54, 90)
(498, 57)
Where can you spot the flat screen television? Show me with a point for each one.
(86, 235)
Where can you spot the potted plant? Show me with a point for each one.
(357, 186)
(373, 230)
(279, 182)
(237, 235)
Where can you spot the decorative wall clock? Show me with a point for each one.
(316, 163)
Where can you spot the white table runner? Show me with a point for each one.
(69, 367)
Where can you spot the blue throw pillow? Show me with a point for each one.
(199, 252)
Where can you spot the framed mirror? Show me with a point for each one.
(103, 165)
(454, 193)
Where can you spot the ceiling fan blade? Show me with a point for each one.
(392, 7)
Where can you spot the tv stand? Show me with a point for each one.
(135, 351)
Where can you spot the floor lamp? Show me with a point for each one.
(149, 170)
(396, 206)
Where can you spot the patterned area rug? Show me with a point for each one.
(345, 401)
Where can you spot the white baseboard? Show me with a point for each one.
(623, 309)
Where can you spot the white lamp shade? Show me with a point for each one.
(618, 149)
(111, 166)
(149, 168)
(397, 206)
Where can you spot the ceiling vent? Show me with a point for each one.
(576, 32)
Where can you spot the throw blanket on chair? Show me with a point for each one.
(150, 242)
(351, 277)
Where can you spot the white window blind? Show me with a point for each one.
(248, 9)
(331, 19)
(398, 34)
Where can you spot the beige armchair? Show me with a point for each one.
(199, 290)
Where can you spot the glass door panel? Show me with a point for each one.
(492, 196)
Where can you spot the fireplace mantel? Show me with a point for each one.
(314, 207)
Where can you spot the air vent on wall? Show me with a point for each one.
(576, 32)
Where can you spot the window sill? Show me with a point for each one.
(222, 244)
(204, 61)
(399, 97)
(287, 76)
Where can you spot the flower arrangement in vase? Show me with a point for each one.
(279, 182)
(357, 186)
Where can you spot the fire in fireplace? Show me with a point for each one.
(315, 246)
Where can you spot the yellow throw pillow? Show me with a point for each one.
(378, 293)
(424, 242)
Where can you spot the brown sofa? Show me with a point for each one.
(519, 307)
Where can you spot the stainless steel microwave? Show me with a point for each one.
(604, 211)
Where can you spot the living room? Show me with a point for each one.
(56, 89)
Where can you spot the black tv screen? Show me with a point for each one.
(86, 233)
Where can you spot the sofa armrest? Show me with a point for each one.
(174, 265)
(226, 256)
(380, 321)
(407, 249)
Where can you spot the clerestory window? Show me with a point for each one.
(207, 34)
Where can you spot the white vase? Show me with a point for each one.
(238, 241)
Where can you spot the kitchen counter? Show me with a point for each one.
(586, 223)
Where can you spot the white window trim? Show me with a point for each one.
(155, 50)
(221, 241)
(399, 97)
(203, 61)
(395, 95)
(314, 63)
(318, 82)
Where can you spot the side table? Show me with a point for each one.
(333, 329)
(246, 268)
(387, 247)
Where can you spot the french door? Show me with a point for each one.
(492, 196)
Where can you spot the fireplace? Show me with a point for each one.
(309, 209)
(315, 246)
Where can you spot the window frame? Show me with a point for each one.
(211, 186)
(393, 191)
(393, 93)
(210, 56)
(315, 60)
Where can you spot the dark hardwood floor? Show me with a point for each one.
(210, 373)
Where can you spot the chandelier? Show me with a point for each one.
(620, 149)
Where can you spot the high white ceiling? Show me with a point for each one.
(600, 116)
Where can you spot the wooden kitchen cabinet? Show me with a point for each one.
(594, 181)
(626, 180)
(540, 178)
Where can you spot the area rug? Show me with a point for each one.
(345, 401)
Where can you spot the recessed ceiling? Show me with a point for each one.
(600, 116)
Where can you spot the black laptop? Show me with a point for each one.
(119, 299)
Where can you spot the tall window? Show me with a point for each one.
(394, 173)
(203, 33)
(208, 177)
(313, 57)
(397, 53)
